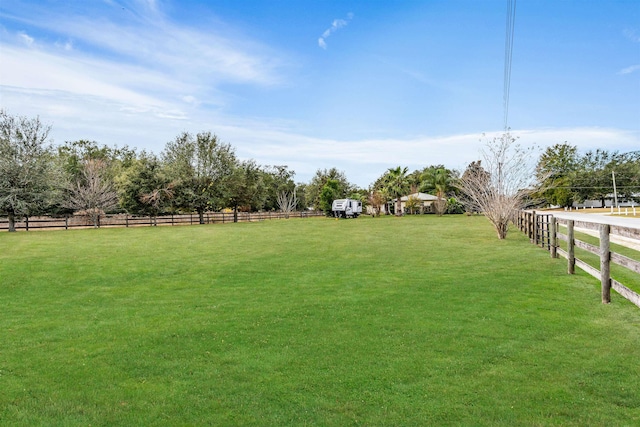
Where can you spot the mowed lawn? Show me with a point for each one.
(379, 322)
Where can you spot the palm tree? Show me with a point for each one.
(397, 183)
(439, 181)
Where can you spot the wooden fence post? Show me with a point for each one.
(521, 221)
(571, 256)
(66, 222)
(553, 244)
(534, 236)
(605, 264)
(530, 226)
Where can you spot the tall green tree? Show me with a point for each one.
(277, 180)
(627, 174)
(73, 155)
(200, 169)
(246, 187)
(439, 181)
(144, 188)
(555, 172)
(29, 179)
(303, 201)
(322, 176)
(397, 185)
(593, 178)
(330, 192)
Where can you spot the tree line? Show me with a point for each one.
(193, 173)
(566, 176)
(200, 173)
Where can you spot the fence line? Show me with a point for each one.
(543, 230)
(125, 220)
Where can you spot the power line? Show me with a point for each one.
(569, 187)
(508, 55)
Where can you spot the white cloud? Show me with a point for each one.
(25, 38)
(364, 160)
(35, 69)
(113, 122)
(152, 68)
(632, 35)
(189, 99)
(67, 46)
(335, 26)
(630, 69)
(142, 35)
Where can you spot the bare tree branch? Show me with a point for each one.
(287, 202)
(503, 186)
(92, 194)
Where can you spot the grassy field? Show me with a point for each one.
(388, 321)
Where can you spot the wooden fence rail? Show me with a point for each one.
(543, 230)
(125, 220)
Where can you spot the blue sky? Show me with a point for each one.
(358, 85)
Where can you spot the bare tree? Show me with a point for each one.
(157, 199)
(287, 202)
(92, 193)
(376, 199)
(503, 186)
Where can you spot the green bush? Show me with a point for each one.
(454, 206)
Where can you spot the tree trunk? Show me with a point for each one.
(502, 229)
(12, 221)
(201, 215)
(439, 206)
(399, 207)
(235, 213)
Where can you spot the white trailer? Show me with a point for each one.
(346, 208)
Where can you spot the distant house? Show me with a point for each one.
(423, 206)
(607, 202)
(424, 202)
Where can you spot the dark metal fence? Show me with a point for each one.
(125, 220)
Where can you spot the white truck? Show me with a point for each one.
(346, 208)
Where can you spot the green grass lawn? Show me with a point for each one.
(389, 321)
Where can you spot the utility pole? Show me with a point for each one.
(615, 193)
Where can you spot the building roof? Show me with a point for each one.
(423, 197)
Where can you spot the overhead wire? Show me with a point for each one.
(508, 56)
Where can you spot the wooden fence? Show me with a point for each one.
(543, 229)
(124, 220)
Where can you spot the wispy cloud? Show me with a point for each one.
(632, 35)
(335, 26)
(364, 160)
(630, 69)
(136, 36)
(132, 54)
(26, 38)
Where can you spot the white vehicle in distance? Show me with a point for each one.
(346, 208)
